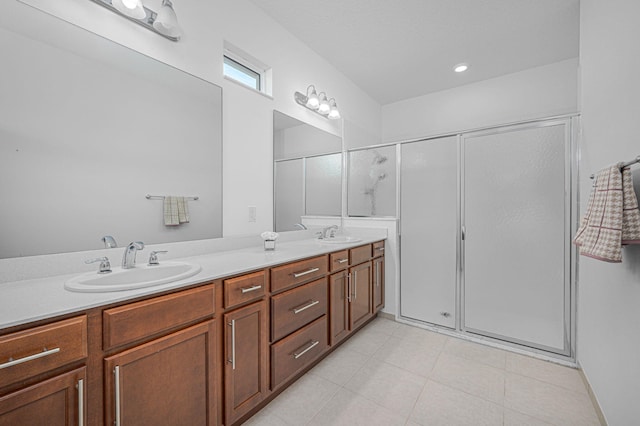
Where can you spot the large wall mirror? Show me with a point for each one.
(307, 172)
(88, 129)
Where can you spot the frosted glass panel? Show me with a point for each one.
(429, 230)
(289, 194)
(514, 214)
(323, 189)
(372, 182)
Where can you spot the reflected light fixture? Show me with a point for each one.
(318, 103)
(163, 22)
(461, 67)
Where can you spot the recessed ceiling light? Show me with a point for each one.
(461, 67)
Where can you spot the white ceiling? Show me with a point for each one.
(399, 49)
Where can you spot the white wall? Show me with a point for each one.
(609, 294)
(247, 116)
(534, 93)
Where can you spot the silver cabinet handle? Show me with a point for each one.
(377, 274)
(80, 387)
(42, 354)
(298, 310)
(312, 345)
(301, 274)
(349, 288)
(250, 289)
(232, 324)
(342, 260)
(116, 373)
(355, 285)
(380, 249)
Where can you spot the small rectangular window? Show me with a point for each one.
(241, 73)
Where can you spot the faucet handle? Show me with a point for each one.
(153, 257)
(105, 265)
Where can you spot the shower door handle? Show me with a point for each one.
(463, 239)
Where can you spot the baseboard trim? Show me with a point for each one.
(592, 396)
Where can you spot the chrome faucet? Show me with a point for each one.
(129, 257)
(329, 231)
(300, 225)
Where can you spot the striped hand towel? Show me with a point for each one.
(600, 233)
(183, 210)
(630, 212)
(171, 217)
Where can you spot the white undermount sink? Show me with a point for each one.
(129, 279)
(341, 239)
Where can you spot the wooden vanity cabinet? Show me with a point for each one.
(339, 307)
(208, 355)
(378, 277)
(246, 359)
(58, 401)
(37, 357)
(169, 380)
(163, 368)
(360, 300)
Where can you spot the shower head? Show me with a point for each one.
(378, 159)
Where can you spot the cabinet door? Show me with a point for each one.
(53, 402)
(339, 307)
(360, 306)
(247, 359)
(168, 381)
(378, 284)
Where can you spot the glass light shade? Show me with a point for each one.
(461, 67)
(131, 8)
(312, 98)
(324, 107)
(334, 114)
(167, 22)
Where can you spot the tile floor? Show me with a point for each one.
(395, 374)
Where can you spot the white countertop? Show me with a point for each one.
(35, 299)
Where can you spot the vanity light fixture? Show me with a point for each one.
(163, 22)
(318, 103)
(461, 67)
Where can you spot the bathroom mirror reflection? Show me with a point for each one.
(307, 172)
(88, 129)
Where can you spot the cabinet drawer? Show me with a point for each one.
(295, 308)
(283, 277)
(338, 260)
(378, 249)
(136, 321)
(297, 351)
(40, 349)
(359, 254)
(244, 289)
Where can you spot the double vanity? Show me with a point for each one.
(208, 339)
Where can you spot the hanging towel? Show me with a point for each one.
(600, 233)
(630, 212)
(183, 210)
(171, 216)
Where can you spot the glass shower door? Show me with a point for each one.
(429, 230)
(516, 189)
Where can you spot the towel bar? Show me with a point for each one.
(161, 197)
(628, 163)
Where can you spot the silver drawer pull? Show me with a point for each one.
(342, 260)
(312, 345)
(380, 249)
(80, 387)
(308, 271)
(250, 289)
(42, 354)
(298, 310)
(116, 385)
